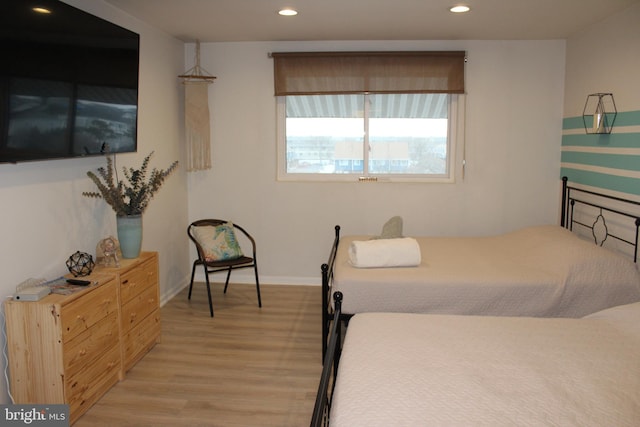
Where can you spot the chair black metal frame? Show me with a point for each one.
(219, 266)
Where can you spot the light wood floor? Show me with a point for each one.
(245, 367)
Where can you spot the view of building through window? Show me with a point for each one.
(399, 134)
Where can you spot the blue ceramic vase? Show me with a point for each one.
(130, 235)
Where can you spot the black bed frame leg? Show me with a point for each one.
(325, 308)
(563, 213)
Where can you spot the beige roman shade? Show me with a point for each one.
(313, 73)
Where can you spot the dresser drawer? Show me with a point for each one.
(138, 308)
(136, 281)
(141, 339)
(89, 345)
(82, 313)
(85, 387)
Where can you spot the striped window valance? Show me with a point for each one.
(314, 73)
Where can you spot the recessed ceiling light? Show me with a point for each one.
(460, 9)
(288, 12)
(42, 10)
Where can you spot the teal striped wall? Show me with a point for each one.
(608, 161)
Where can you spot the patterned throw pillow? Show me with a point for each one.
(219, 243)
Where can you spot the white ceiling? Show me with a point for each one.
(257, 20)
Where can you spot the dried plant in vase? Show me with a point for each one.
(129, 198)
(133, 196)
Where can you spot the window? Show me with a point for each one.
(367, 115)
(368, 136)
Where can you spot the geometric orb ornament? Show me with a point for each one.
(80, 264)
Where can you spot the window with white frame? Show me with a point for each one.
(367, 116)
(367, 136)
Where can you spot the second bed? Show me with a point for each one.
(421, 369)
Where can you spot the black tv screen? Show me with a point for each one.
(68, 83)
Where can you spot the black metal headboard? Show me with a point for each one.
(572, 197)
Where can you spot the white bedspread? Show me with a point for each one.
(537, 271)
(442, 370)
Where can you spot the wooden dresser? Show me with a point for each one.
(72, 348)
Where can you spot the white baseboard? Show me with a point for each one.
(238, 277)
(172, 292)
(241, 277)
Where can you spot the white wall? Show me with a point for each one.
(605, 58)
(44, 218)
(514, 122)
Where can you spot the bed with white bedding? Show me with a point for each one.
(423, 369)
(536, 271)
(541, 271)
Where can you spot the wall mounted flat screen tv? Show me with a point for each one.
(68, 83)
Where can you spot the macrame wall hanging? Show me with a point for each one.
(196, 111)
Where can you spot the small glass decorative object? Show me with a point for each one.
(108, 252)
(80, 264)
(599, 113)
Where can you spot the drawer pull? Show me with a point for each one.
(124, 282)
(82, 352)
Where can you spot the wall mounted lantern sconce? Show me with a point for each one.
(599, 113)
